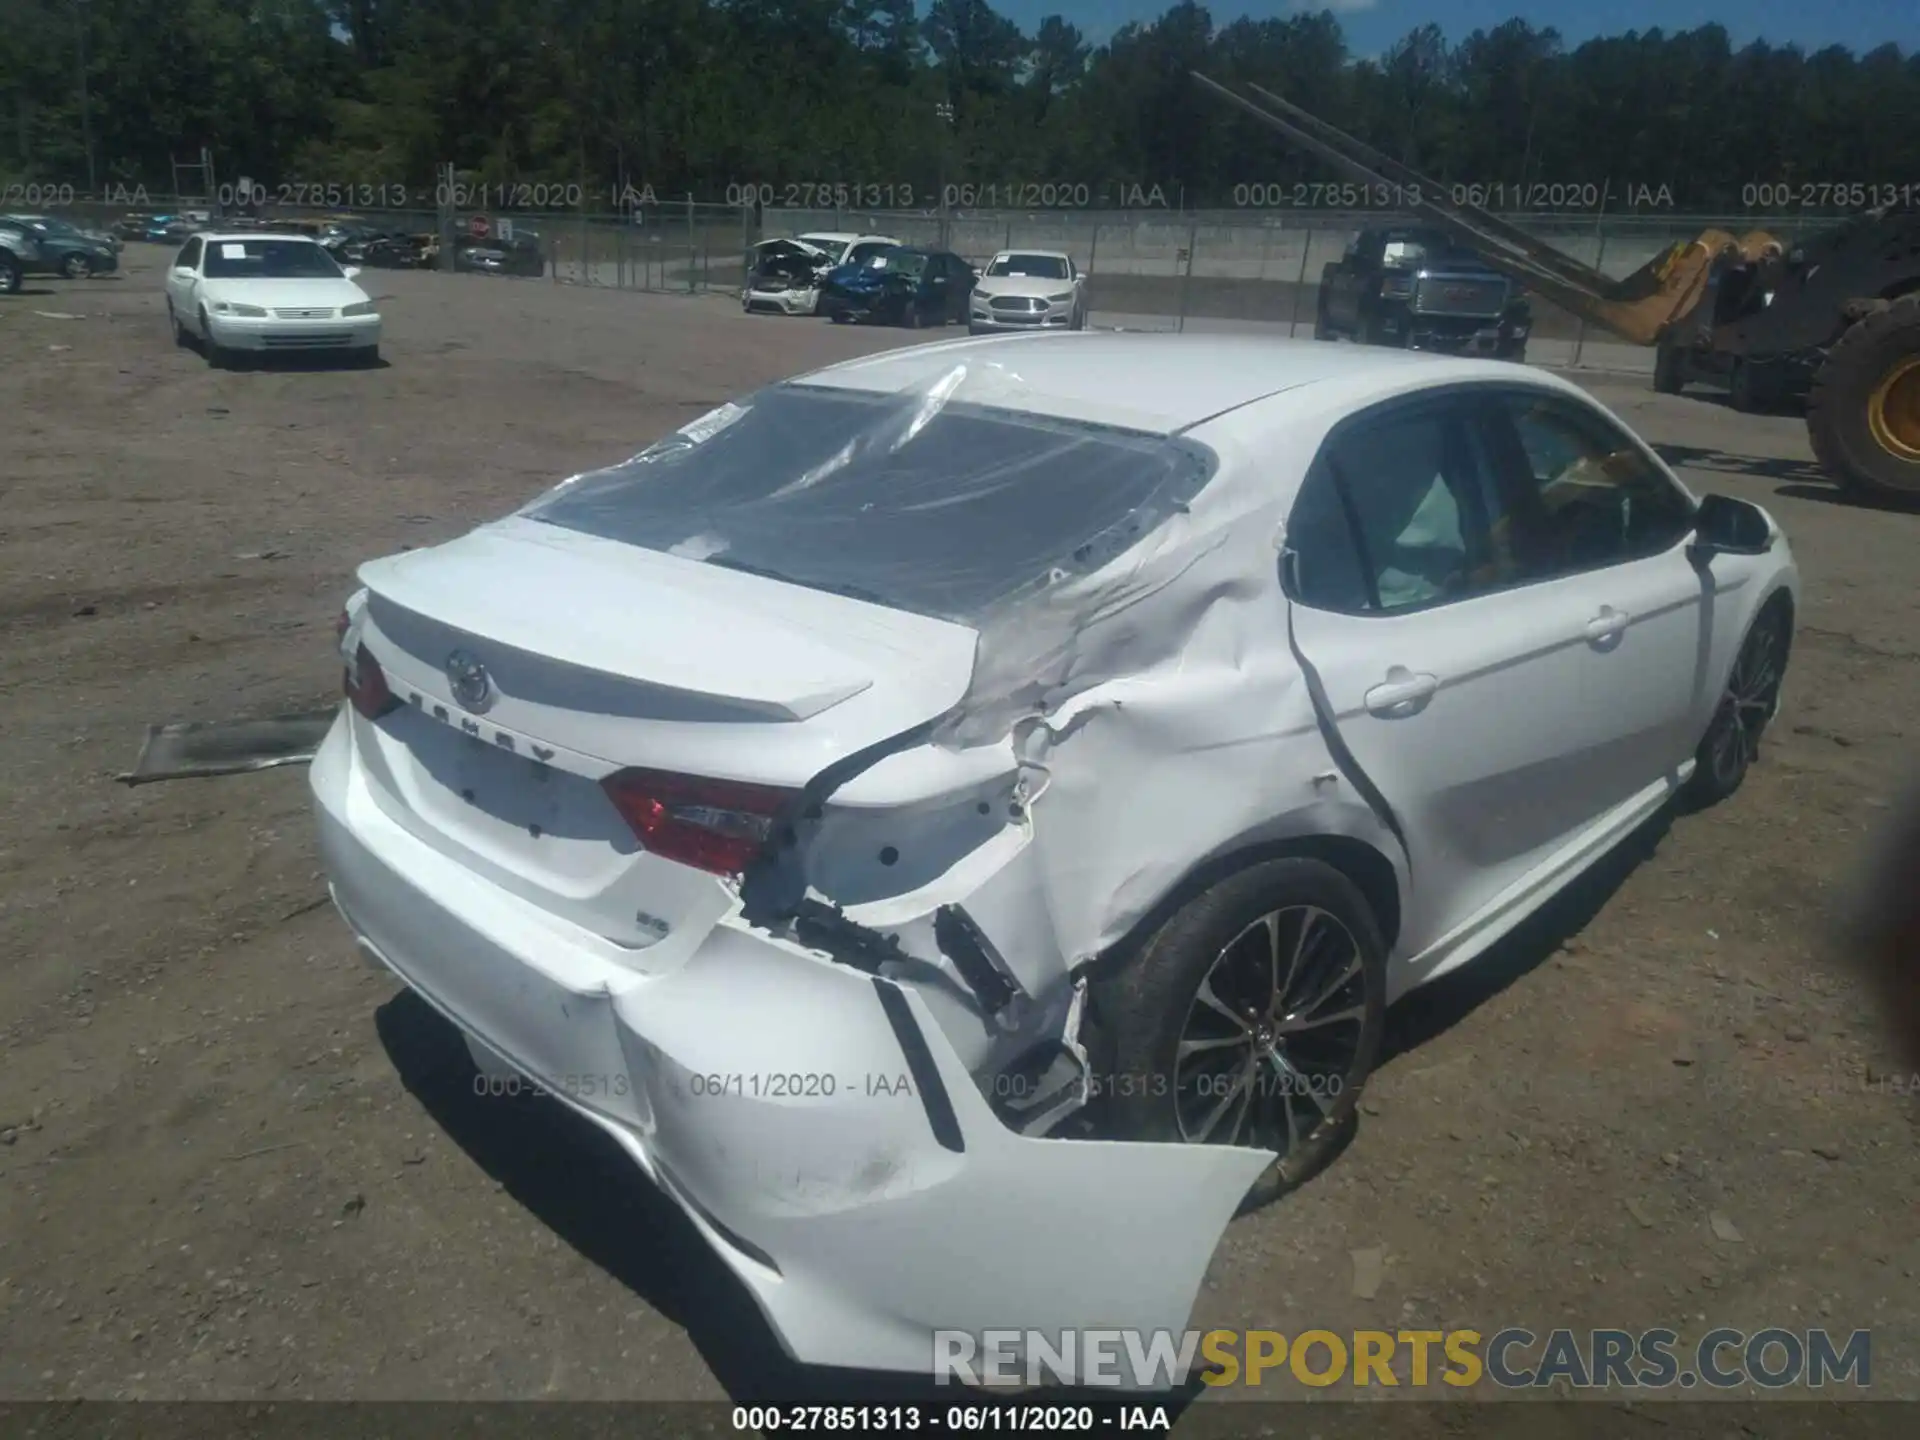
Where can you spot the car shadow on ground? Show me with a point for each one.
(1724, 462)
(1435, 1008)
(577, 1182)
(1801, 479)
(293, 362)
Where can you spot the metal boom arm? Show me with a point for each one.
(1637, 308)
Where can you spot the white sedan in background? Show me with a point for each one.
(1036, 766)
(1028, 290)
(255, 294)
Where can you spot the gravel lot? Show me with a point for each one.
(237, 1164)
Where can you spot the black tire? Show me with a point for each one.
(1321, 329)
(910, 316)
(180, 338)
(217, 355)
(1742, 393)
(9, 274)
(1669, 369)
(369, 358)
(76, 267)
(1144, 1006)
(1865, 406)
(1748, 702)
(838, 317)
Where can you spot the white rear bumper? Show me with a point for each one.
(812, 1120)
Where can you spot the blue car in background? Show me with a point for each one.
(901, 285)
(66, 249)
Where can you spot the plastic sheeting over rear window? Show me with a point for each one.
(923, 500)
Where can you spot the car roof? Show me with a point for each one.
(1037, 254)
(1156, 383)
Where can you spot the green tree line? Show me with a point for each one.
(696, 96)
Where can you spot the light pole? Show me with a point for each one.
(86, 120)
(943, 112)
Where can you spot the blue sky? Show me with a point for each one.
(1372, 25)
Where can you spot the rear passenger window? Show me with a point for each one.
(1325, 566)
(1409, 489)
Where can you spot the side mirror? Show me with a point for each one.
(351, 271)
(185, 272)
(1725, 526)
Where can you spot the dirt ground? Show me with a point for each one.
(237, 1164)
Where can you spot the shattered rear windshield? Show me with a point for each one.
(915, 501)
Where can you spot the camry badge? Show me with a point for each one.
(472, 686)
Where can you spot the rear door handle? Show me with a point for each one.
(1607, 624)
(1401, 689)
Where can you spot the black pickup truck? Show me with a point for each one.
(1417, 289)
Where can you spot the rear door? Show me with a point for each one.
(960, 288)
(936, 290)
(1455, 702)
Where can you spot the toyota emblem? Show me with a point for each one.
(472, 686)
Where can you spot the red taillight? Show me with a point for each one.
(713, 825)
(366, 686)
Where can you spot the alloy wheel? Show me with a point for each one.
(1893, 410)
(1273, 1036)
(1753, 689)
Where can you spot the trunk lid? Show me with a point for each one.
(598, 656)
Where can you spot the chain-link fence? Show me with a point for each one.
(683, 246)
(1148, 270)
(1167, 270)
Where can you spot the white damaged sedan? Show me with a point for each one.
(957, 819)
(254, 293)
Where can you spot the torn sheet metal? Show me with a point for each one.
(1079, 691)
(228, 747)
(1123, 588)
(1128, 720)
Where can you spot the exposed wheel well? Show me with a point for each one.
(1360, 862)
